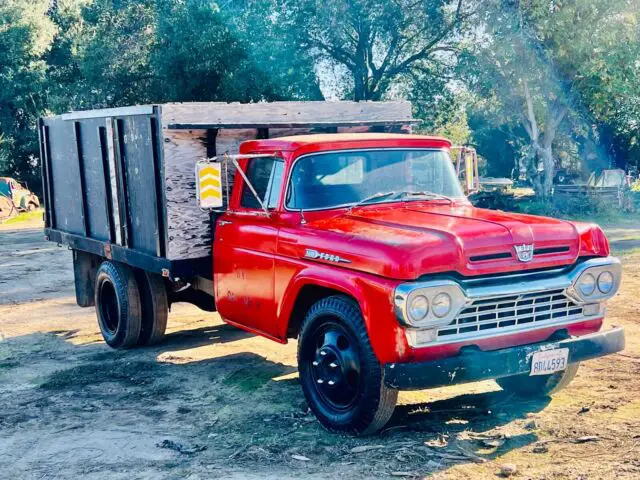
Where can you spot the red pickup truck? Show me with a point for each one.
(364, 248)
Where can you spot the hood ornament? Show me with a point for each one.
(524, 252)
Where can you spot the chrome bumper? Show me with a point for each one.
(472, 366)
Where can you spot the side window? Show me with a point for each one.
(265, 174)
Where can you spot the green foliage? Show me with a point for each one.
(576, 55)
(380, 49)
(25, 37)
(82, 54)
(578, 208)
(471, 69)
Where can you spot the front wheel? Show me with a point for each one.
(340, 375)
(538, 386)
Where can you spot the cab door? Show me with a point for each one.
(244, 249)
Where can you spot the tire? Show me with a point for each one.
(357, 402)
(538, 386)
(118, 307)
(155, 308)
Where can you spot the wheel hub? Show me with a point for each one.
(336, 367)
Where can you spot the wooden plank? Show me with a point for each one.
(106, 178)
(158, 185)
(65, 177)
(83, 183)
(121, 182)
(107, 112)
(138, 184)
(283, 114)
(188, 230)
(113, 182)
(322, 126)
(93, 178)
(47, 187)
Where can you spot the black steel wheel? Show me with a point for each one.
(336, 365)
(340, 375)
(117, 301)
(155, 307)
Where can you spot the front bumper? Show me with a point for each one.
(476, 365)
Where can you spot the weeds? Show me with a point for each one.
(135, 373)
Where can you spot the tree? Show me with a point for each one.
(25, 36)
(541, 61)
(381, 43)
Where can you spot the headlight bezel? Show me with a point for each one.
(429, 290)
(613, 267)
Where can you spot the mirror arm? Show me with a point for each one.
(246, 180)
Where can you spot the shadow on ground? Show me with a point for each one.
(238, 410)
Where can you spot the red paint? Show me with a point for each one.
(259, 267)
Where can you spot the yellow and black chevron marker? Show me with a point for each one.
(209, 184)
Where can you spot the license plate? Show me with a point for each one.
(549, 361)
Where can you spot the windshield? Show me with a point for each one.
(338, 179)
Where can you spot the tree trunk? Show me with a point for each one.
(548, 172)
(541, 142)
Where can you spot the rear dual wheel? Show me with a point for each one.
(131, 307)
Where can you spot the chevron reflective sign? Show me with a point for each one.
(209, 184)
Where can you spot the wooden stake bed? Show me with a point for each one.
(120, 182)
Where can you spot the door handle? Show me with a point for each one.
(222, 223)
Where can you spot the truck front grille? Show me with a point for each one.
(502, 314)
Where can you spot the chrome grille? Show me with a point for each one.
(511, 313)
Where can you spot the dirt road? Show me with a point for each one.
(213, 402)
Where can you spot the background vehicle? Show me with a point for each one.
(361, 245)
(16, 198)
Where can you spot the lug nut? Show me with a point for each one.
(333, 365)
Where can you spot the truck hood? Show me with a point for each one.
(406, 241)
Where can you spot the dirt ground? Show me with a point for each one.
(215, 402)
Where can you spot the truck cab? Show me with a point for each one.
(364, 248)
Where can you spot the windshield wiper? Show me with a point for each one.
(371, 198)
(399, 196)
(425, 193)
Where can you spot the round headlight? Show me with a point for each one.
(605, 282)
(441, 305)
(418, 308)
(587, 284)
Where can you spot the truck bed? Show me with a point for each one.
(119, 183)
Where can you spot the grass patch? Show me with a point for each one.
(251, 379)
(24, 217)
(137, 373)
(632, 252)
